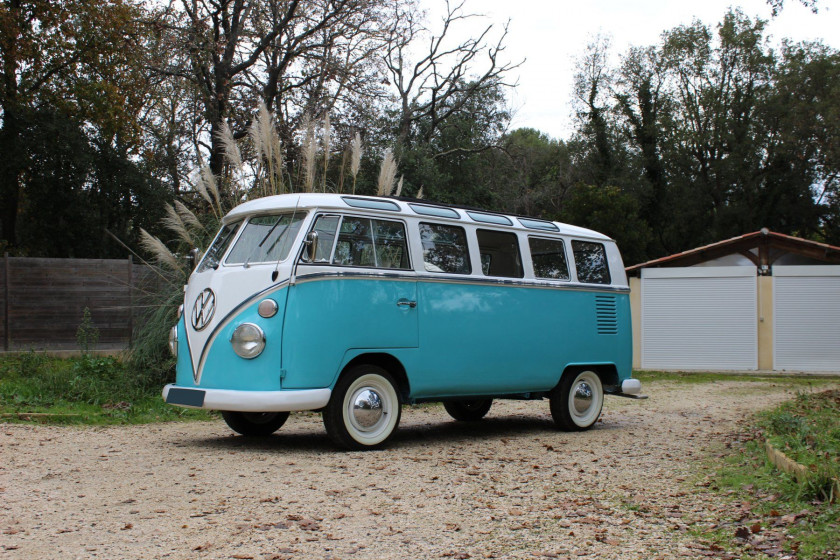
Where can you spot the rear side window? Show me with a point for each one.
(445, 249)
(499, 253)
(549, 258)
(591, 262)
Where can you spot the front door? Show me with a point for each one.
(359, 292)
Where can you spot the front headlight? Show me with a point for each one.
(173, 340)
(248, 340)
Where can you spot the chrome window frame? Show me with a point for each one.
(342, 216)
(515, 235)
(467, 239)
(569, 270)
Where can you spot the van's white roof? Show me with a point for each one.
(306, 201)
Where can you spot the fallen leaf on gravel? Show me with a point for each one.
(309, 525)
(267, 526)
(243, 557)
(742, 533)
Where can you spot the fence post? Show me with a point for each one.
(130, 301)
(8, 338)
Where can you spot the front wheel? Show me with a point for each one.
(576, 403)
(468, 410)
(255, 423)
(364, 409)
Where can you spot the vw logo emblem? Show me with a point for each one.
(203, 309)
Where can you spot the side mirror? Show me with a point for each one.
(310, 249)
(192, 258)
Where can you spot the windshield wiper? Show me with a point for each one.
(277, 223)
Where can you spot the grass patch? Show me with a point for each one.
(87, 389)
(698, 377)
(807, 429)
(772, 513)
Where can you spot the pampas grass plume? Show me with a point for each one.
(387, 174)
(210, 186)
(325, 138)
(308, 153)
(355, 157)
(173, 221)
(189, 219)
(228, 142)
(157, 248)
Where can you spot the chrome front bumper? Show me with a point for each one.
(246, 401)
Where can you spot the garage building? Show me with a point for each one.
(761, 301)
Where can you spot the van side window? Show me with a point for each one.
(371, 243)
(591, 262)
(445, 249)
(325, 226)
(549, 258)
(499, 253)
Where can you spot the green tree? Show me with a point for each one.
(77, 59)
(803, 139)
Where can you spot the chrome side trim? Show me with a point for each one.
(226, 320)
(449, 279)
(259, 401)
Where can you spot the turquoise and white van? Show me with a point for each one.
(353, 305)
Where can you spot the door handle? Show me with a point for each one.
(402, 302)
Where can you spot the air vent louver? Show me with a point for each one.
(606, 315)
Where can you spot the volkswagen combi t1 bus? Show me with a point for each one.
(354, 305)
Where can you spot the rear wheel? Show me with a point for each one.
(364, 409)
(468, 410)
(255, 423)
(576, 403)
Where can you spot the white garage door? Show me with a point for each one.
(806, 315)
(699, 318)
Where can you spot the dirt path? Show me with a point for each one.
(508, 487)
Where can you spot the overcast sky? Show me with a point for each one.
(551, 34)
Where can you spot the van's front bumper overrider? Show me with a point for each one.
(247, 401)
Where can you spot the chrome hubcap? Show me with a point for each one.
(367, 408)
(582, 397)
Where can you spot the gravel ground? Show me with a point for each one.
(507, 487)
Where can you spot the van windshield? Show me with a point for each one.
(217, 249)
(266, 239)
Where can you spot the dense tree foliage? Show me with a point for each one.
(109, 109)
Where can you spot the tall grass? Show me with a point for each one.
(159, 298)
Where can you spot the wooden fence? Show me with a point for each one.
(42, 301)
